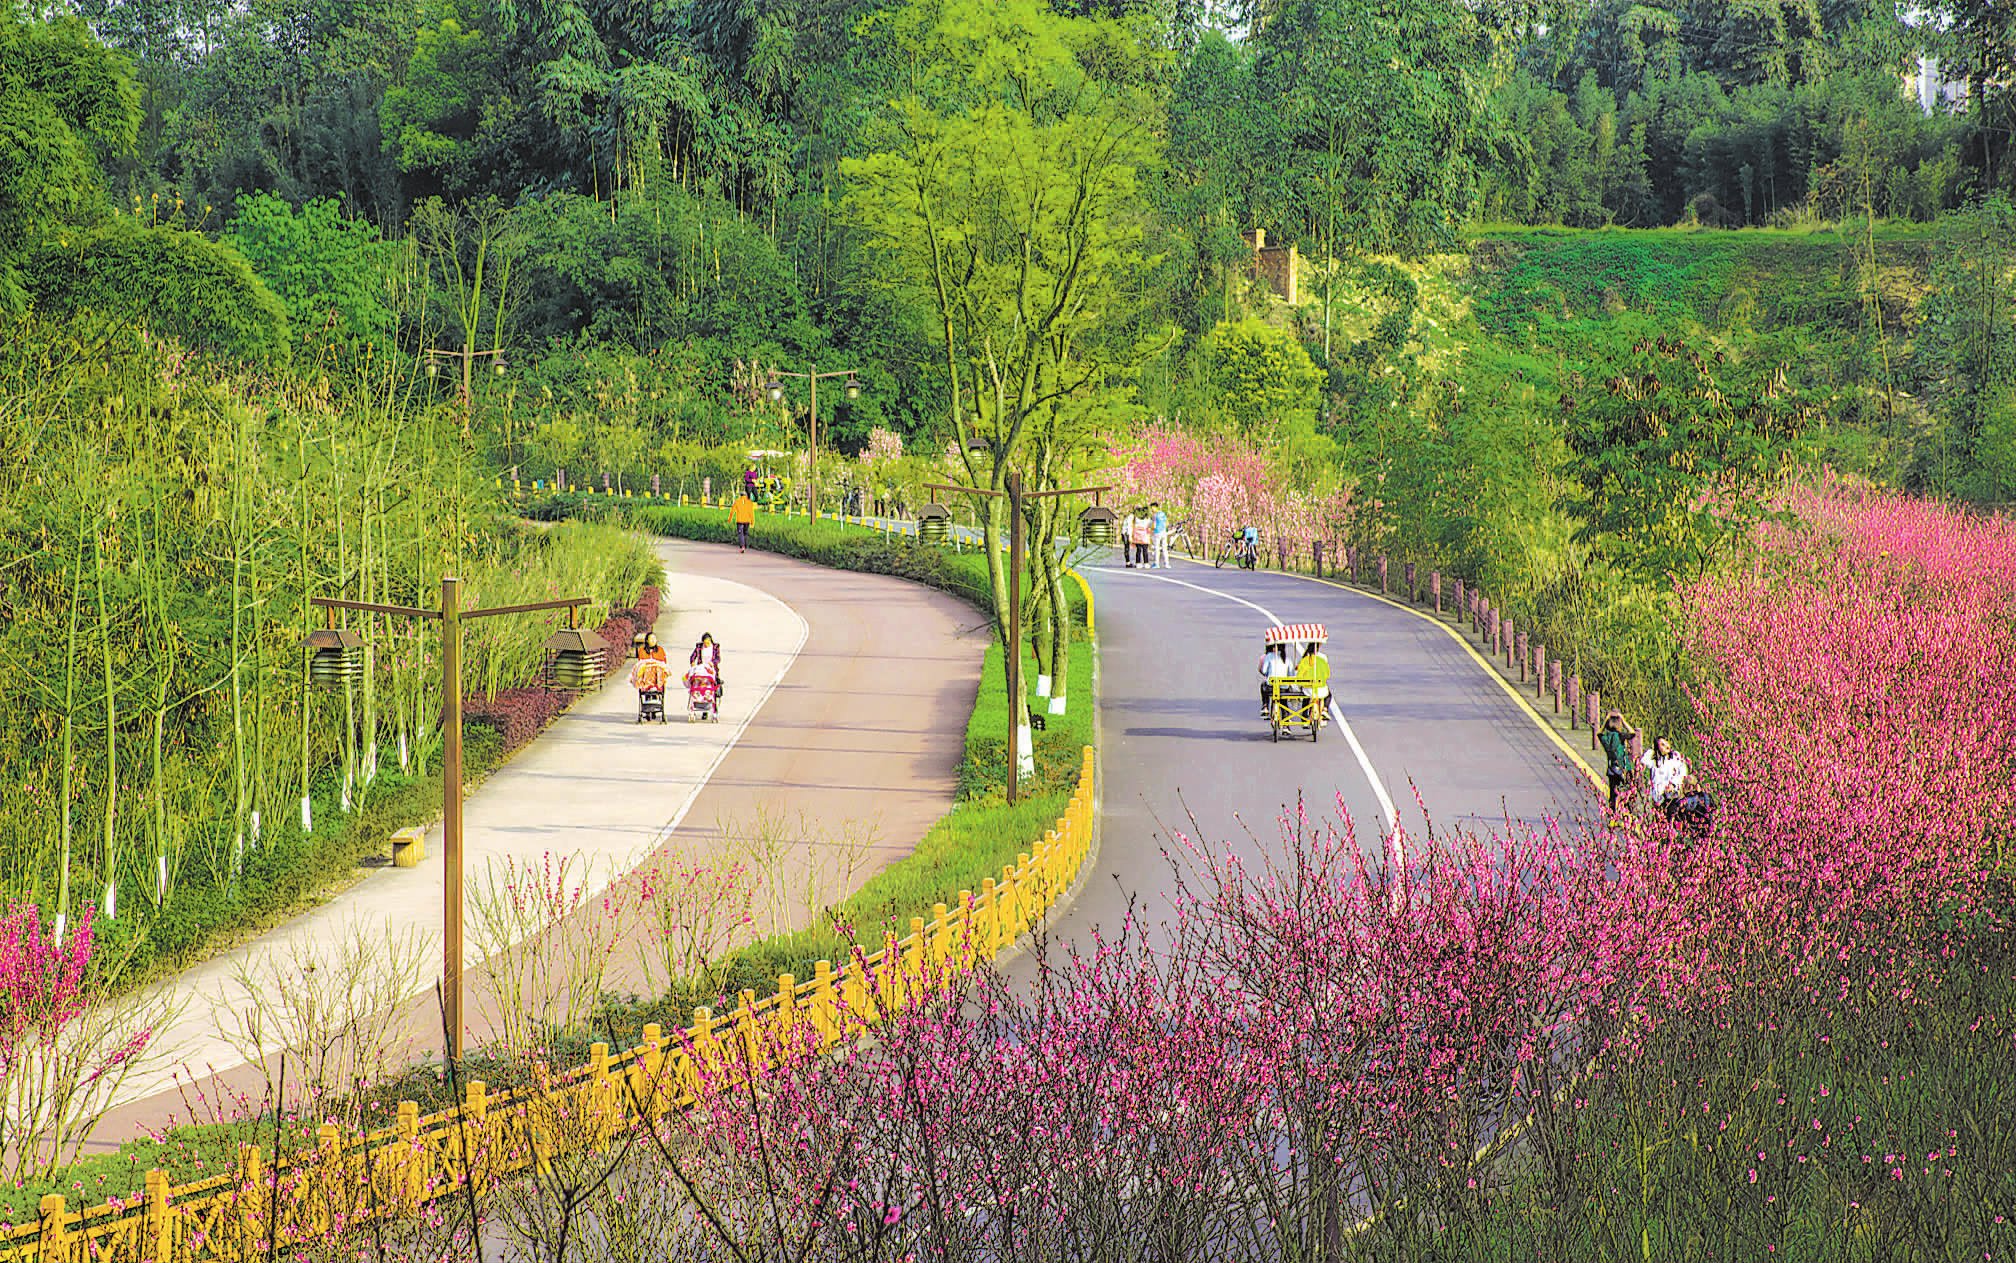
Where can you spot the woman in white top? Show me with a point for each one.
(1665, 769)
(1274, 667)
(1127, 539)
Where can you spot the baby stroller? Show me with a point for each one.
(649, 679)
(703, 694)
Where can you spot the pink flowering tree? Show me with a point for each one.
(1859, 715)
(884, 446)
(1315, 1040)
(65, 1048)
(1221, 484)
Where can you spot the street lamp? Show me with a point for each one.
(337, 657)
(468, 355)
(775, 389)
(1018, 706)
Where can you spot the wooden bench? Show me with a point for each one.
(409, 847)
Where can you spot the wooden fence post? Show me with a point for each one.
(1382, 573)
(1539, 671)
(1435, 584)
(1555, 681)
(250, 1203)
(825, 1005)
(54, 1246)
(1595, 724)
(1574, 700)
(161, 1222)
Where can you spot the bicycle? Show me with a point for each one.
(1238, 546)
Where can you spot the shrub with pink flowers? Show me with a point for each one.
(1859, 716)
(64, 1046)
(1225, 484)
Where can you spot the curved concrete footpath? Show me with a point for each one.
(843, 723)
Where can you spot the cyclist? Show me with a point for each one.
(1249, 546)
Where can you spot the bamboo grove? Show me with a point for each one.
(165, 523)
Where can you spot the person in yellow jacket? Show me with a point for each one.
(745, 515)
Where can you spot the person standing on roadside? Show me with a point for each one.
(745, 517)
(1668, 771)
(1159, 559)
(1127, 539)
(1616, 741)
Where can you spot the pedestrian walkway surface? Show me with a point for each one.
(847, 698)
(595, 786)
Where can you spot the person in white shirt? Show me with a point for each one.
(1666, 770)
(1160, 543)
(1274, 665)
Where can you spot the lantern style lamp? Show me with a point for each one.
(775, 390)
(934, 523)
(1099, 525)
(337, 657)
(853, 389)
(575, 661)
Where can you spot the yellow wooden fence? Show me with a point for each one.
(348, 1180)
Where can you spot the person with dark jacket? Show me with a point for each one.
(1616, 741)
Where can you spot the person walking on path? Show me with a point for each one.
(1127, 539)
(745, 516)
(1144, 536)
(1160, 557)
(1617, 749)
(652, 649)
(706, 653)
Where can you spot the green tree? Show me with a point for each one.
(1001, 194)
(1679, 449)
(330, 271)
(66, 101)
(1262, 375)
(1383, 123)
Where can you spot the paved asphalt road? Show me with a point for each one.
(1182, 737)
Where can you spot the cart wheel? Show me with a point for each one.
(1315, 727)
(1276, 722)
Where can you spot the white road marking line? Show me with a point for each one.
(1393, 828)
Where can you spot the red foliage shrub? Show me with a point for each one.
(520, 714)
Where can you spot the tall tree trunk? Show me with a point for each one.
(69, 775)
(239, 781)
(307, 621)
(110, 848)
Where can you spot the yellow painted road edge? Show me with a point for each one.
(1482, 662)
